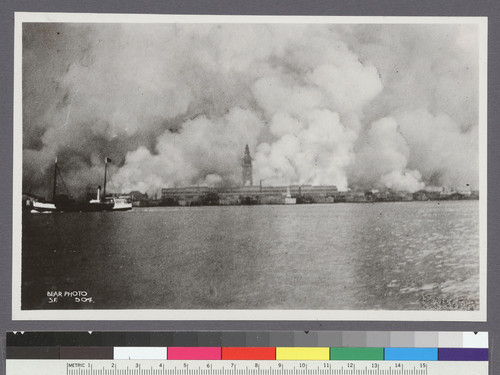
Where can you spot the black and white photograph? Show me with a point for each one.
(249, 167)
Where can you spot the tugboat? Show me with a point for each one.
(109, 203)
(99, 204)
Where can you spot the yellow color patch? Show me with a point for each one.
(302, 354)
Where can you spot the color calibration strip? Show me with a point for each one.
(247, 353)
(353, 345)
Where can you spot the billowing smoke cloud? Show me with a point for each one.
(359, 106)
(385, 155)
(208, 151)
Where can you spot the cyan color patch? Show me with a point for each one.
(411, 354)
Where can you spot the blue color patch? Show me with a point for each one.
(411, 354)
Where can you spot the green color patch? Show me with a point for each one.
(360, 354)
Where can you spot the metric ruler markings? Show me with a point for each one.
(150, 367)
(401, 370)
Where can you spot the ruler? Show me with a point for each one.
(200, 367)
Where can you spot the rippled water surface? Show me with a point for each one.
(415, 255)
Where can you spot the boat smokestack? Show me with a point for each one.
(54, 183)
(106, 161)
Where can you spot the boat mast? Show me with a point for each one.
(105, 177)
(55, 182)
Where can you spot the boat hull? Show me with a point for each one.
(83, 207)
(122, 204)
(40, 207)
(97, 207)
(123, 207)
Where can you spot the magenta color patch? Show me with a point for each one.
(186, 353)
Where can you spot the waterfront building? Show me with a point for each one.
(203, 195)
(247, 193)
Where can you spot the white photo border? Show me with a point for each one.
(246, 315)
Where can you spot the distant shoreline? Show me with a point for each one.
(256, 202)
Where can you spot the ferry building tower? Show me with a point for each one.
(246, 163)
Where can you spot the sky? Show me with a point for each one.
(361, 106)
